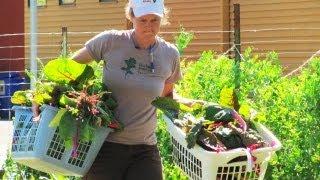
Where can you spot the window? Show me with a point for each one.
(40, 3)
(67, 2)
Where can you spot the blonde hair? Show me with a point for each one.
(130, 15)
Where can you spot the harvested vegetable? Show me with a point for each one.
(211, 126)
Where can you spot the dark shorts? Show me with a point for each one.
(126, 162)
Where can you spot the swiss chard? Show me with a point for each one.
(84, 102)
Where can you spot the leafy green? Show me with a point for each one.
(65, 71)
(57, 118)
(22, 97)
(83, 100)
(207, 140)
(215, 112)
(229, 138)
(193, 135)
(170, 106)
(87, 133)
(67, 128)
(111, 103)
(67, 101)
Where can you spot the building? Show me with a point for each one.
(11, 46)
(290, 27)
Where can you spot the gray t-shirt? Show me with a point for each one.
(127, 72)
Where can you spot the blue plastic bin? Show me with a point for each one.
(9, 83)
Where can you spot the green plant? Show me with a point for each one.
(83, 100)
(183, 39)
(41, 95)
(15, 171)
(288, 106)
(291, 116)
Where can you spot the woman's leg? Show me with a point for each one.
(110, 164)
(145, 164)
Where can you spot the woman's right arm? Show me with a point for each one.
(82, 56)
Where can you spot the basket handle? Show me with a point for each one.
(250, 161)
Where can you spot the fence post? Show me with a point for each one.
(237, 40)
(237, 43)
(225, 24)
(64, 42)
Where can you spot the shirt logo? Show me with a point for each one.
(144, 68)
(131, 63)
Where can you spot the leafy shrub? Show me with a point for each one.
(292, 111)
(14, 171)
(288, 106)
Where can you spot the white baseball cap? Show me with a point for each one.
(144, 7)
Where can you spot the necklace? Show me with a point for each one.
(150, 51)
(151, 58)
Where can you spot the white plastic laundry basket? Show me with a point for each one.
(39, 146)
(235, 164)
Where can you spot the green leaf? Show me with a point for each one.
(87, 73)
(57, 177)
(183, 39)
(245, 110)
(64, 71)
(166, 103)
(211, 110)
(65, 100)
(111, 103)
(68, 143)
(87, 133)
(56, 120)
(227, 97)
(192, 136)
(105, 115)
(41, 97)
(67, 128)
(21, 97)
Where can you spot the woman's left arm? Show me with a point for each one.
(168, 91)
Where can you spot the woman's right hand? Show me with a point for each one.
(36, 112)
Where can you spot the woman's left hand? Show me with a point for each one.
(191, 102)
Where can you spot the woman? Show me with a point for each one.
(139, 66)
